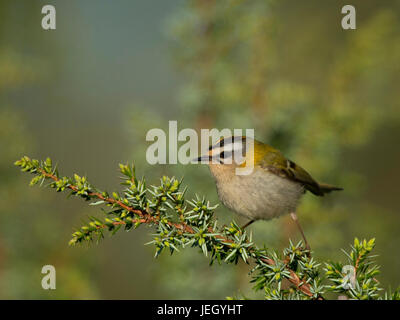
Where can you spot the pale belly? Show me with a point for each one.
(261, 195)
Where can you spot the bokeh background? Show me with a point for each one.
(86, 94)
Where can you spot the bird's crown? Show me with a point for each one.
(232, 150)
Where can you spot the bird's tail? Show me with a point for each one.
(326, 188)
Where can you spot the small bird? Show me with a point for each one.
(272, 189)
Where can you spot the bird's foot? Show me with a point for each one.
(308, 249)
(247, 224)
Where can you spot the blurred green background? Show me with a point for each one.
(86, 94)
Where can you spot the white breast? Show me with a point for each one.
(260, 195)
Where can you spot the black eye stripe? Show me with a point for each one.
(225, 154)
(221, 143)
(225, 142)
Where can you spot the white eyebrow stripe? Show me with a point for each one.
(232, 147)
(236, 146)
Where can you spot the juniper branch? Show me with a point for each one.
(180, 223)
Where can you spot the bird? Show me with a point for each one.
(272, 188)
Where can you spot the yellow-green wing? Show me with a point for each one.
(274, 161)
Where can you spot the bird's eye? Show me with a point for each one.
(224, 155)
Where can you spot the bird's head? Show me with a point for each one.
(229, 154)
